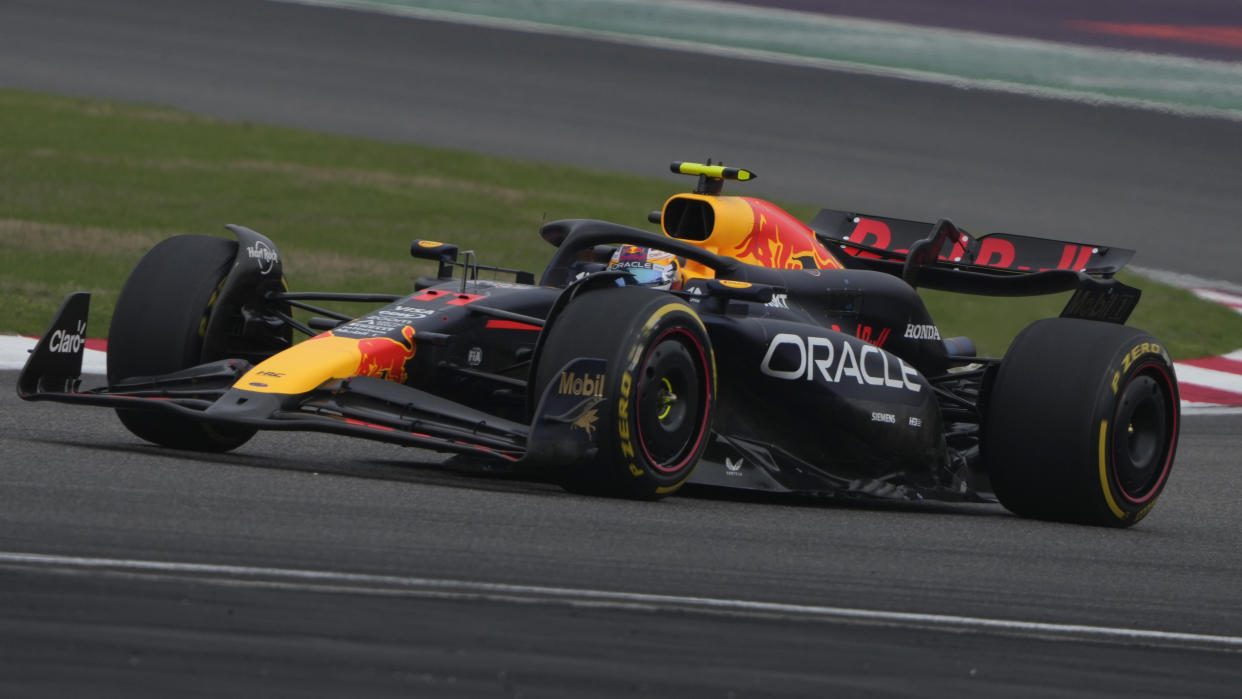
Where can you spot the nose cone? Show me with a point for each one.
(323, 358)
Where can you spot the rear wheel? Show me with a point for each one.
(659, 388)
(1082, 423)
(160, 326)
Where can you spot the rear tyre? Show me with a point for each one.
(160, 325)
(659, 389)
(1082, 423)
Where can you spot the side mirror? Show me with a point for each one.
(436, 251)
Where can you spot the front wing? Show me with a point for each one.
(361, 406)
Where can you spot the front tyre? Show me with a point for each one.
(659, 389)
(1082, 423)
(160, 326)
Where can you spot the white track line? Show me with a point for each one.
(358, 583)
(1189, 408)
(1224, 298)
(1220, 380)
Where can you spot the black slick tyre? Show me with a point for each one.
(659, 389)
(159, 326)
(1082, 423)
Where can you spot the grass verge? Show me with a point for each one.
(87, 186)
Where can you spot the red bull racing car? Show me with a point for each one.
(737, 347)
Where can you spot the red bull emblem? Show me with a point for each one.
(385, 358)
(779, 241)
(632, 253)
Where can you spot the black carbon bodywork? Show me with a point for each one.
(832, 381)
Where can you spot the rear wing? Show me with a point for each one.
(943, 256)
(879, 237)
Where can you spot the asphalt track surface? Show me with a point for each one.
(304, 566)
(322, 566)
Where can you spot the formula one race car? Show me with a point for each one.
(738, 347)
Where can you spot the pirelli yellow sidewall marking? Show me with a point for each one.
(211, 302)
(1105, 486)
(625, 430)
(665, 490)
(1129, 358)
(623, 419)
(669, 308)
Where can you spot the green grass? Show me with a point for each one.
(86, 187)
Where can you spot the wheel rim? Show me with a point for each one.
(672, 398)
(1142, 436)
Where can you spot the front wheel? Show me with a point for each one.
(659, 389)
(160, 326)
(1082, 423)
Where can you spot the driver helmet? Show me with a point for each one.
(650, 267)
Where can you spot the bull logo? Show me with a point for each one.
(586, 422)
(385, 358)
(778, 241)
(632, 253)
